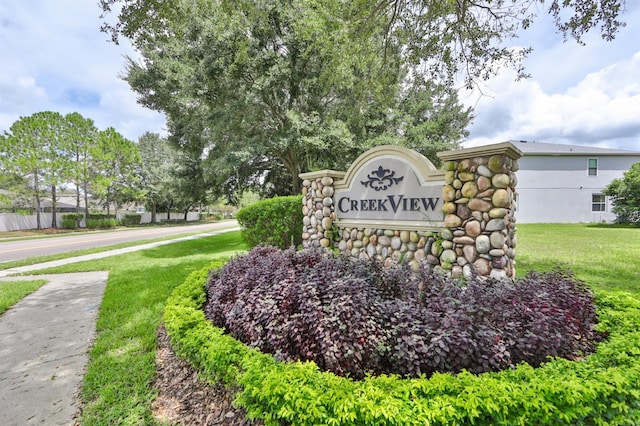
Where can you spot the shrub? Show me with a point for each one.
(601, 389)
(131, 219)
(210, 216)
(275, 221)
(70, 220)
(101, 221)
(266, 300)
(628, 215)
(353, 317)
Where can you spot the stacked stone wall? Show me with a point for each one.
(385, 245)
(317, 209)
(479, 225)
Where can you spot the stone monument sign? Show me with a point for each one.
(393, 205)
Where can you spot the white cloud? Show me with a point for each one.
(55, 58)
(583, 95)
(601, 109)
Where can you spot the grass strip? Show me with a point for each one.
(117, 385)
(605, 257)
(12, 292)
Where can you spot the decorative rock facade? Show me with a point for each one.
(477, 231)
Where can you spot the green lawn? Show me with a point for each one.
(13, 291)
(117, 386)
(606, 257)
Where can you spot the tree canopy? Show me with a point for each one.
(34, 150)
(438, 37)
(263, 90)
(625, 194)
(45, 152)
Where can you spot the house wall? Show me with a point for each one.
(558, 189)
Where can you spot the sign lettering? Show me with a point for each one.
(388, 189)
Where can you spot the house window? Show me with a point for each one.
(593, 167)
(598, 202)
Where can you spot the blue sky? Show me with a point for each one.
(53, 57)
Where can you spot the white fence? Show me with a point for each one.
(16, 221)
(161, 217)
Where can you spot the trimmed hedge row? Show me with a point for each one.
(602, 389)
(70, 220)
(274, 222)
(131, 219)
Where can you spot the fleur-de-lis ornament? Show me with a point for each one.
(381, 179)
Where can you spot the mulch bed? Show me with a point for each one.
(186, 399)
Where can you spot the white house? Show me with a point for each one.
(564, 183)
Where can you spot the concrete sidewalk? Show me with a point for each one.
(45, 338)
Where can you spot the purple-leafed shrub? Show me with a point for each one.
(301, 305)
(353, 317)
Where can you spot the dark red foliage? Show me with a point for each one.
(353, 317)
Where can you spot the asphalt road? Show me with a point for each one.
(22, 249)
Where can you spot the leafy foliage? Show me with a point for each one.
(47, 150)
(441, 38)
(115, 163)
(268, 90)
(626, 195)
(71, 220)
(101, 221)
(82, 134)
(158, 159)
(601, 389)
(35, 150)
(354, 318)
(275, 221)
(131, 219)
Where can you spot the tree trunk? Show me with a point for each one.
(77, 192)
(36, 188)
(291, 163)
(153, 212)
(38, 220)
(78, 220)
(54, 206)
(86, 204)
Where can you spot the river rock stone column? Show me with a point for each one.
(479, 207)
(317, 207)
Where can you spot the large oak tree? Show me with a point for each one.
(259, 88)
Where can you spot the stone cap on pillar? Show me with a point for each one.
(321, 173)
(504, 148)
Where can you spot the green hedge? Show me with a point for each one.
(274, 222)
(101, 216)
(210, 216)
(101, 221)
(131, 219)
(602, 389)
(70, 220)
